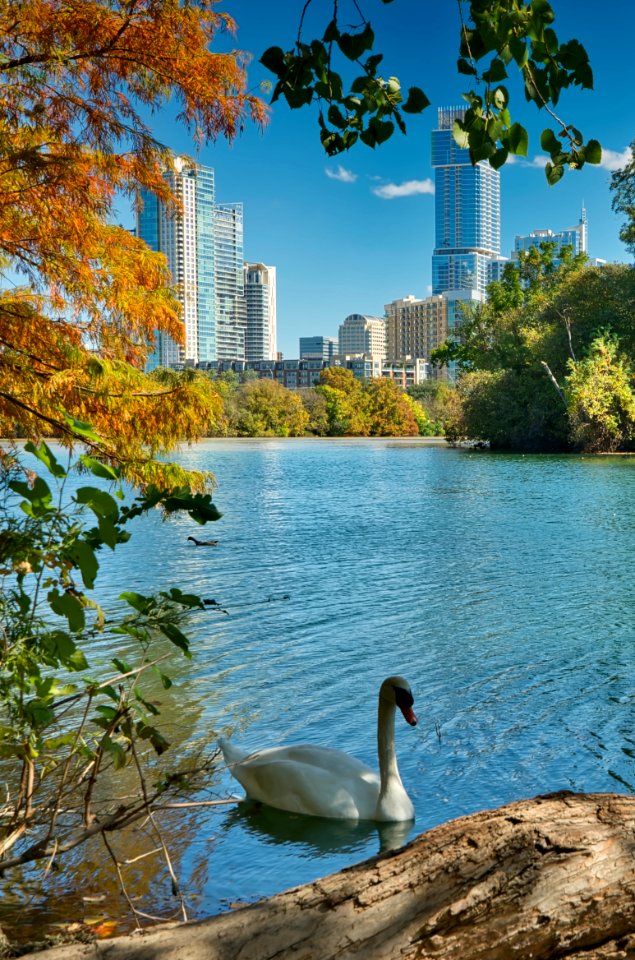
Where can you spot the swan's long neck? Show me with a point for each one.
(388, 770)
(393, 802)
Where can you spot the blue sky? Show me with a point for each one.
(351, 233)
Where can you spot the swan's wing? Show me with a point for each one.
(312, 780)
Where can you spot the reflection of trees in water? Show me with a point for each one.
(83, 884)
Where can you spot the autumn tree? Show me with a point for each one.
(264, 408)
(600, 393)
(345, 403)
(389, 410)
(439, 401)
(75, 335)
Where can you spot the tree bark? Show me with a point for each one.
(551, 877)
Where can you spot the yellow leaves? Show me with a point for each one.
(73, 76)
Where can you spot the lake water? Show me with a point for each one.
(500, 586)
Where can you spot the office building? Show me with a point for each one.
(362, 335)
(575, 237)
(414, 328)
(203, 244)
(260, 309)
(318, 348)
(231, 318)
(467, 213)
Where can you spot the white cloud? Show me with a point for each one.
(341, 174)
(407, 189)
(614, 159)
(611, 159)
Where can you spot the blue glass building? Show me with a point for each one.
(574, 237)
(467, 213)
(203, 244)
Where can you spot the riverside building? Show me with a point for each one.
(318, 348)
(203, 244)
(362, 335)
(260, 309)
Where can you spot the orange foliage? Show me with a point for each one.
(74, 76)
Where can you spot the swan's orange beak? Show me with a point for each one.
(409, 716)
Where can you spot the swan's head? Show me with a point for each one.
(396, 690)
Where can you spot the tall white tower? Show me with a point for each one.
(261, 320)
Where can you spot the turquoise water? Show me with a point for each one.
(501, 586)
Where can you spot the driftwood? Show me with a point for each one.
(544, 878)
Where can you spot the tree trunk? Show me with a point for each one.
(543, 878)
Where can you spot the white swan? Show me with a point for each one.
(322, 782)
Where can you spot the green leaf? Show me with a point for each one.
(416, 101)
(138, 601)
(383, 129)
(77, 661)
(273, 59)
(549, 142)
(99, 469)
(336, 117)
(108, 532)
(464, 66)
(353, 45)
(176, 636)
(81, 429)
(147, 732)
(116, 751)
(519, 51)
(553, 173)
(38, 495)
(460, 135)
(67, 605)
(593, 152)
(500, 98)
(498, 159)
(330, 34)
(496, 72)
(100, 502)
(190, 600)
(83, 557)
(46, 455)
(518, 140)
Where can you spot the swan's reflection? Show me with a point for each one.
(316, 836)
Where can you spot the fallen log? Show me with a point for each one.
(544, 878)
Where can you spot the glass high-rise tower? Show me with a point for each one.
(203, 244)
(467, 213)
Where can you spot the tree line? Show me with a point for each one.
(338, 406)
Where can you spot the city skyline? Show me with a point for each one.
(354, 232)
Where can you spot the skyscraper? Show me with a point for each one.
(260, 304)
(467, 213)
(230, 281)
(203, 244)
